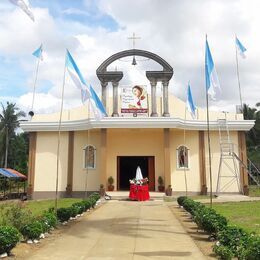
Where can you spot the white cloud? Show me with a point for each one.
(175, 30)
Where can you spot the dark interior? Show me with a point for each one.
(127, 169)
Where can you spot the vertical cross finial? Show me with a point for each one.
(134, 38)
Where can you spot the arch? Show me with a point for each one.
(134, 52)
(89, 157)
(183, 157)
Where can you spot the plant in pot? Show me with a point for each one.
(110, 181)
(168, 191)
(102, 190)
(160, 184)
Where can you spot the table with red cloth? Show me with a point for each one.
(138, 192)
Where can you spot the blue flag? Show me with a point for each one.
(212, 83)
(240, 48)
(38, 53)
(189, 103)
(87, 93)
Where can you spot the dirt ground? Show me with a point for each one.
(199, 236)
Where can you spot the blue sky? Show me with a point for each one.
(95, 29)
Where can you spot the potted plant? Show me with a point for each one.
(160, 184)
(168, 191)
(110, 181)
(102, 190)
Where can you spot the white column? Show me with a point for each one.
(165, 99)
(115, 98)
(104, 93)
(153, 101)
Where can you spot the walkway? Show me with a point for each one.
(123, 230)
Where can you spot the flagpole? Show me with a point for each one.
(35, 81)
(238, 80)
(88, 138)
(184, 140)
(209, 147)
(209, 150)
(59, 134)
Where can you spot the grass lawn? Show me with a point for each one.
(243, 214)
(254, 191)
(39, 206)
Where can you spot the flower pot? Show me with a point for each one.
(102, 192)
(110, 187)
(168, 192)
(161, 188)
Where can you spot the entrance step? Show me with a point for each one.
(123, 195)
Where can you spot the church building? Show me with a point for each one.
(143, 130)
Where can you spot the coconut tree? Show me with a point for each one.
(10, 118)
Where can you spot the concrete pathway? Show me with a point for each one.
(123, 230)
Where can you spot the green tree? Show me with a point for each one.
(10, 118)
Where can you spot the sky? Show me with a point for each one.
(94, 30)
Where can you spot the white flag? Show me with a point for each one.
(24, 6)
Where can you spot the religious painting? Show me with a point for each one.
(182, 157)
(134, 101)
(89, 157)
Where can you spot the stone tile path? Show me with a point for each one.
(123, 230)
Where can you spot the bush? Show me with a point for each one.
(79, 206)
(181, 199)
(92, 202)
(95, 195)
(209, 220)
(32, 230)
(86, 204)
(9, 237)
(17, 216)
(236, 239)
(64, 214)
(74, 212)
(223, 252)
(252, 251)
(48, 220)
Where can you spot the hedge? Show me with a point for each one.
(231, 240)
(9, 237)
(34, 227)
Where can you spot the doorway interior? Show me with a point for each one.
(126, 170)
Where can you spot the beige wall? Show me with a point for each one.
(192, 174)
(135, 142)
(79, 173)
(215, 155)
(46, 161)
(125, 142)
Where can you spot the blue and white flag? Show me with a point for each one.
(189, 103)
(87, 93)
(24, 5)
(38, 53)
(240, 48)
(212, 84)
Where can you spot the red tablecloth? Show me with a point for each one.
(140, 193)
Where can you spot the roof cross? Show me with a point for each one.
(134, 38)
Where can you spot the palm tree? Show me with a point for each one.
(9, 122)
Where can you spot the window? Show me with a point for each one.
(90, 157)
(182, 157)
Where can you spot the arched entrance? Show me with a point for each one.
(154, 77)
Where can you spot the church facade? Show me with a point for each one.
(167, 143)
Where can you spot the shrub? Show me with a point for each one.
(17, 215)
(32, 230)
(87, 204)
(181, 199)
(79, 206)
(236, 239)
(64, 214)
(95, 195)
(92, 202)
(223, 252)
(74, 212)
(208, 220)
(252, 251)
(9, 237)
(48, 220)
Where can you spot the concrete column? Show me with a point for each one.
(167, 157)
(165, 99)
(153, 99)
(115, 98)
(104, 93)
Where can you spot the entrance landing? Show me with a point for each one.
(123, 195)
(122, 230)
